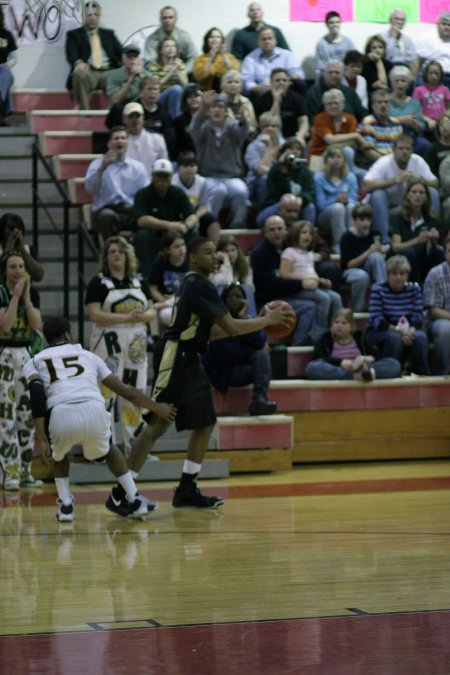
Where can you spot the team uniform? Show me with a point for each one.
(123, 347)
(16, 426)
(179, 376)
(76, 410)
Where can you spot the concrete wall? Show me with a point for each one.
(43, 65)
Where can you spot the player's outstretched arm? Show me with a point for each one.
(227, 325)
(166, 411)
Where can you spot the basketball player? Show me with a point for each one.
(68, 407)
(198, 316)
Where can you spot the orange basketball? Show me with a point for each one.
(280, 329)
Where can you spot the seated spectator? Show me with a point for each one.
(333, 46)
(190, 103)
(395, 317)
(144, 146)
(113, 181)
(12, 238)
(363, 256)
(343, 353)
(172, 76)
(168, 29)
(214, 62)
(7, 60)
(257, 66)
(219, 142)
(167, 272)
(92, 53)
(332, 79)
(160, 208)
(376, 66)
(297, 262)
(440, 148)
(336, 194)
(400, 49)
(288, 104)
(289, 175)
(386, 179)
(379, 129)
(434, 45)
(122, 84)
(433, 96)
(237, 269)
(231, 85)
(241, 360)
(335, 127)
(245, 40)
(415, 230)
(261, 154)
(265, 259)
(436, 298)
(187, 178)
(353, 67)
(405, 109)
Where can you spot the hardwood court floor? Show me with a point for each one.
(333, 569)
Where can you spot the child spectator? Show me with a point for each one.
(433, 96)
(343, 354)
(362, 256)
(166, 275)
(237, 269)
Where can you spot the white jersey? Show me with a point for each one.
(70, 373)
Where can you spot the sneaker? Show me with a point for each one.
(190, 497)
(141, 507)
(11, 483)
(261, 406)
(65, 513)
(27, 480)
(368, 374)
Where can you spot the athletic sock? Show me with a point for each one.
(128, 484)
(190, 472)
(63, 488)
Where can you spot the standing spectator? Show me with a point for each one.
(168, 29)
(119, 306)
(19, 316)
(436, 298)
(172, 76)
(245, 40)
(290, 105)
(376, 66)
(332, 79)
(353, 67)
(241, 360)
(405, 109)
(214, 62)
(386, 179)
(289, 175)
(7, 60)
(379, 129)
(336, 194)
(395, 317)
(143, 146)
(332, 46)
(219, 142)
(257, 66)
(400, 49)
(261, 154)
(113, 180)
(362, 256)
(238, 105)
(92, 53)
(434, 45)
(12, 238)
(159, 208)
(433, 96)
(415, 230)
(265, 258)
(122, 84)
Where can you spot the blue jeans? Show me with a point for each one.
(327, 302)
(391, 344)
(320, 369)
(171, 99)
(372, 271)
(256, 371)
(439, 331)
(305, 311)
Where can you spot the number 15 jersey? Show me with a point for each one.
(70, 373)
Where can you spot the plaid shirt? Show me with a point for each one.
(436, 289)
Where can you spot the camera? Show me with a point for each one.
(294, 161)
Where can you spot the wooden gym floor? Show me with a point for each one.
(330, 570)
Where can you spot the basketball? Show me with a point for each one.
(280, 329)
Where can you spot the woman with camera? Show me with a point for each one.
(289, 175)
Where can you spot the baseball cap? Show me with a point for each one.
(220, 98)
(133, 107)
(162, 166)
(131, 48)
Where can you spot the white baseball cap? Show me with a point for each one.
(162, 166)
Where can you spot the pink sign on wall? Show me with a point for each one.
(315, 10)
(430, 9)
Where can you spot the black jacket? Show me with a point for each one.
(78, 47)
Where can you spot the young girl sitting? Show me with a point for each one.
(166, 275)
(297, 262)
(234, 266)
(343, 354)
(433, 96)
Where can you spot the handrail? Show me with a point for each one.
(38, 157)
(83, 237)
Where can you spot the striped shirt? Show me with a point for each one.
(387, 306)
(382, 136)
